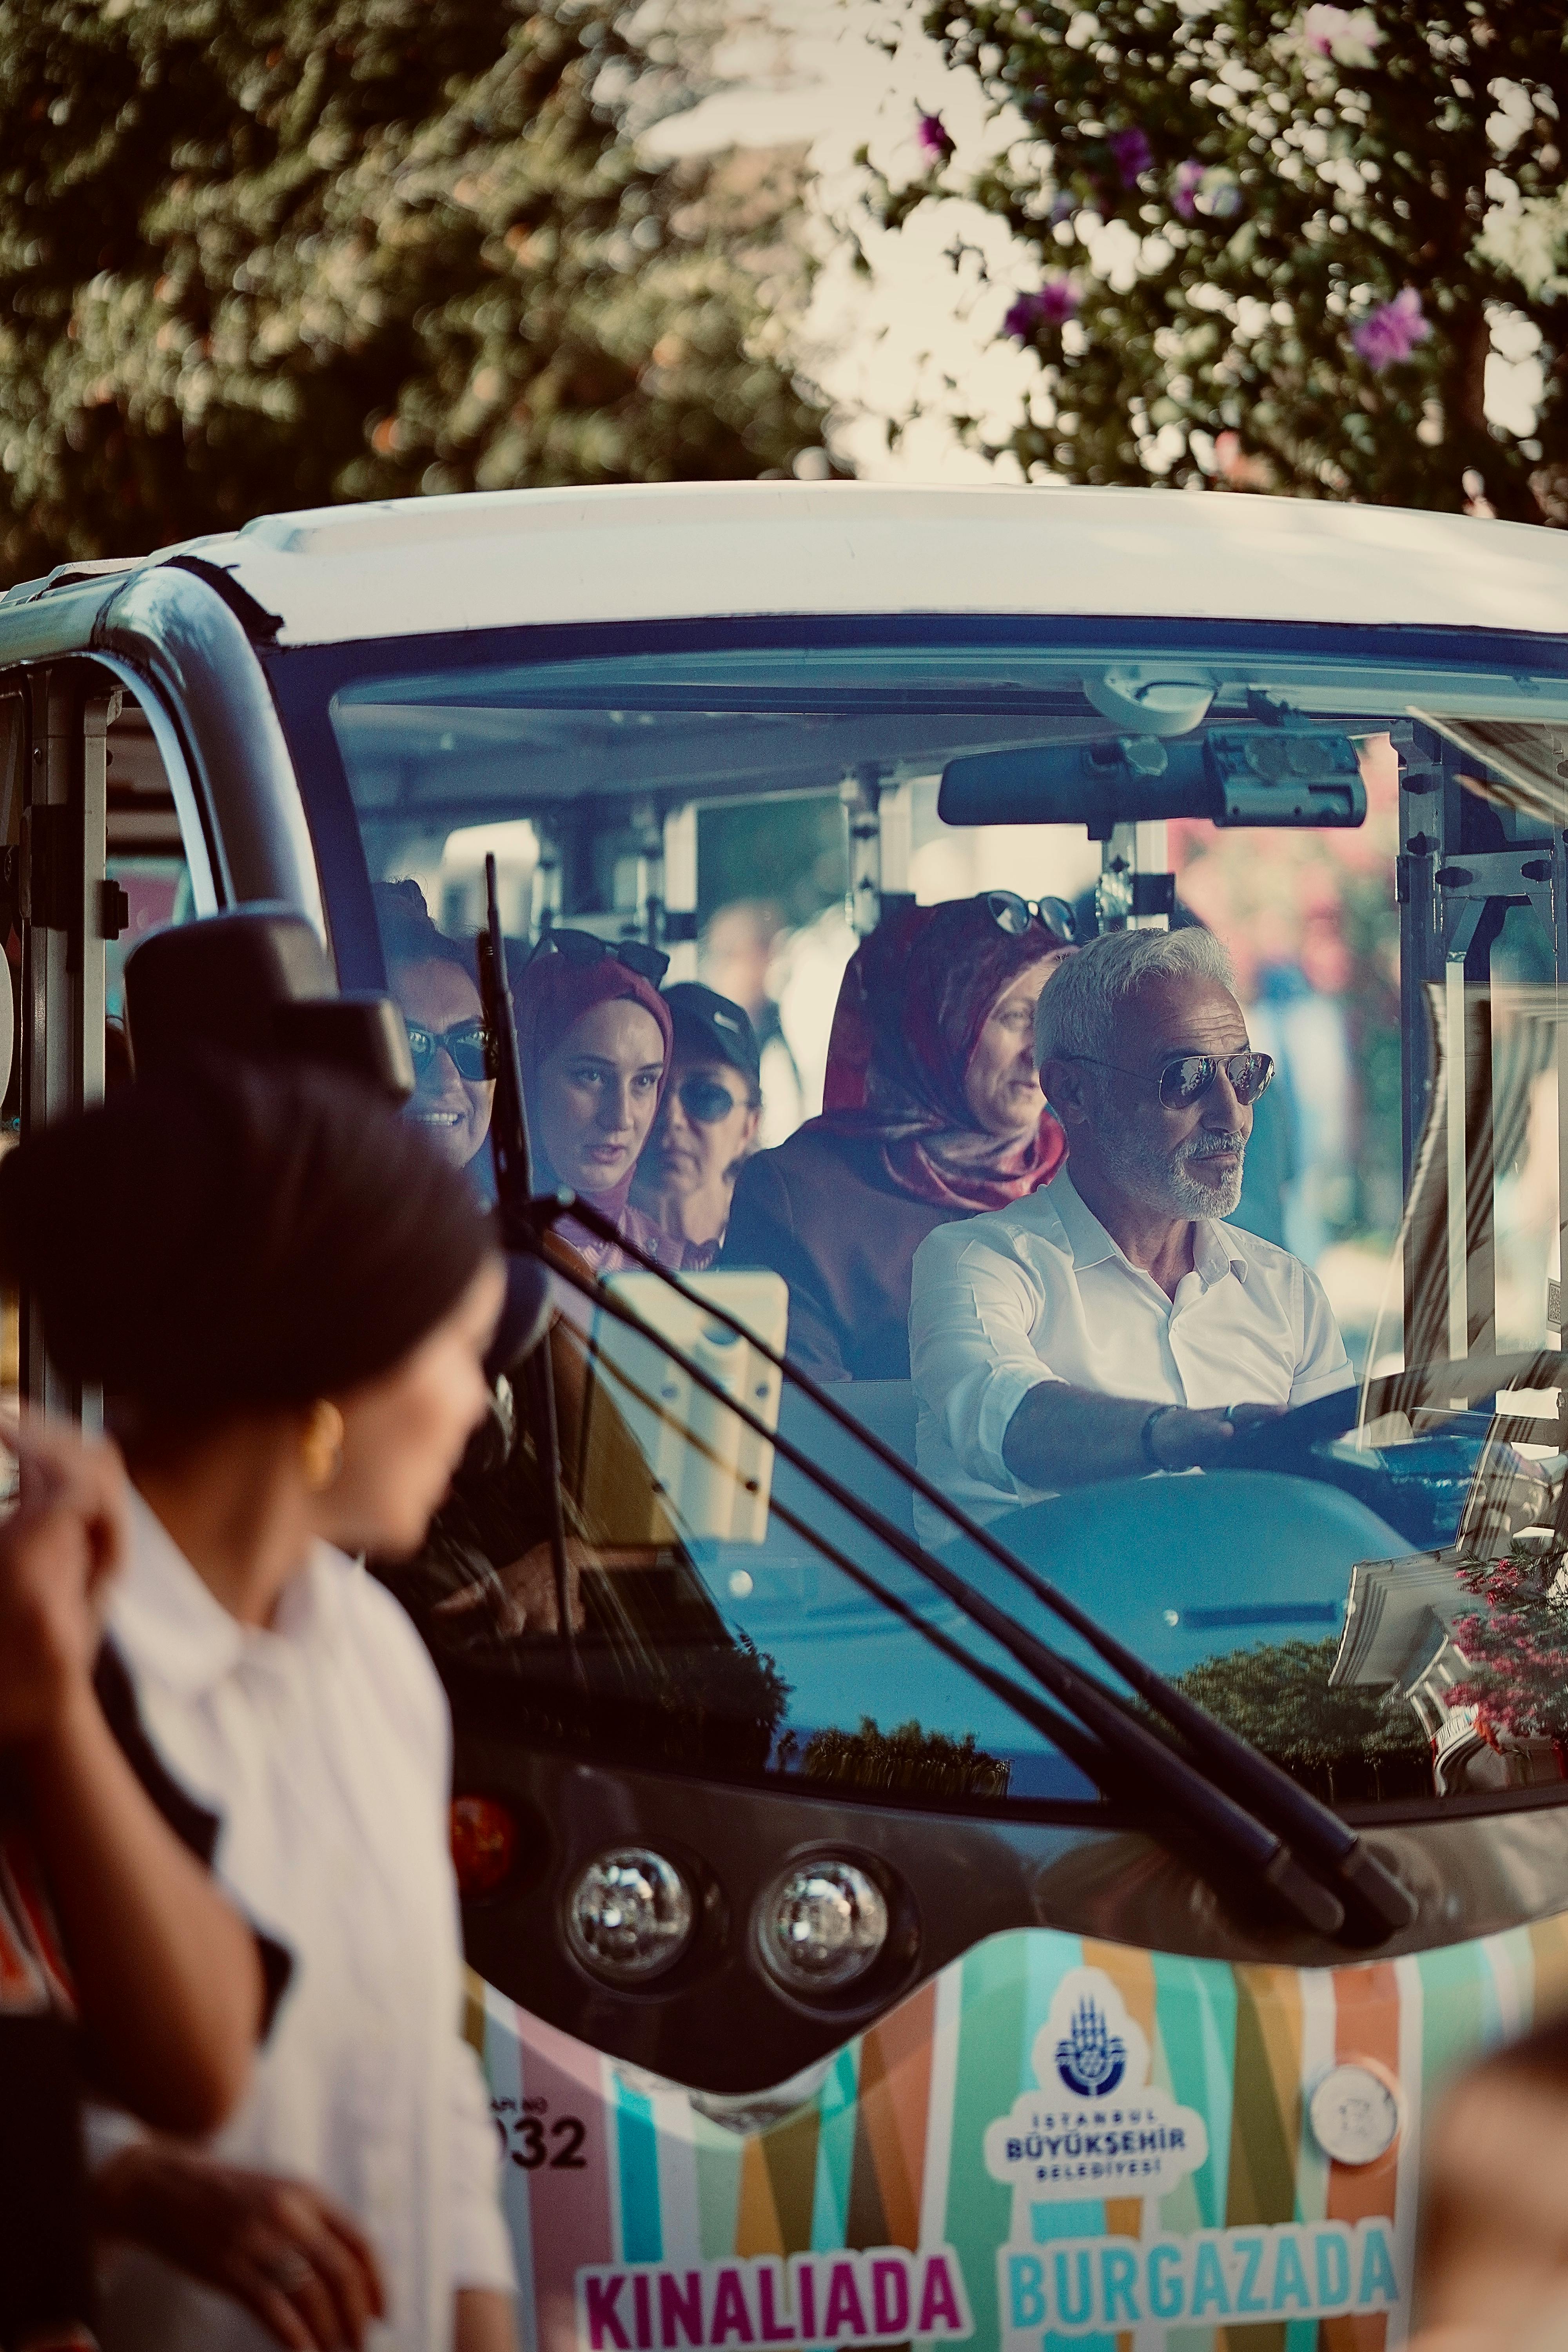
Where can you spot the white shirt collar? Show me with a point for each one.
(1212, 1255)
(178, 1630)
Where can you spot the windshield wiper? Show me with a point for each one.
(1206, 1809)
(1305, 1838)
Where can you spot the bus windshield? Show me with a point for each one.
(1122, 1071)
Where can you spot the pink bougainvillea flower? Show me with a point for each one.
(1237, 467)
(1391, 333)
(932, 138)
(1186, 181)
(1347, 37)
(1052, 305)
(1132, 155)
(1207, 188)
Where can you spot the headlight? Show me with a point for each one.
(629, 1915)
(821, 1925)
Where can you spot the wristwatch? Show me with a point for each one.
(1158, 1414)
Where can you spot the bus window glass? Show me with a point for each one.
(146, 856)
(780, 920)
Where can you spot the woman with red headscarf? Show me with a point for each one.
(934, 1111)
(594, 1036)
(594, 1041)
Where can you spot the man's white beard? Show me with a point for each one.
(1200, 1199)
(1162, 1179)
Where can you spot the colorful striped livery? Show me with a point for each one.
(858, 2205)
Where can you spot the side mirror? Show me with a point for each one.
(257, 982)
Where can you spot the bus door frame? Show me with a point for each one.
(63, 913)
(1456, 878)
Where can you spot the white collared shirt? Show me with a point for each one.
(324, 1743)
(1039, 1291)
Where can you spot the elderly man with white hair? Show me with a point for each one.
(1113, 1325)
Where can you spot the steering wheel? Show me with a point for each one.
(1286, 1443)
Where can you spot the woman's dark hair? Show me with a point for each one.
(408, 933)
(232, 1236)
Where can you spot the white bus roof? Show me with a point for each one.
(684, 551)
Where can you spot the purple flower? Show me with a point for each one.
(1391, 333)
(1052, 305)
(932, 138)
(1132, 155)
(1185, 181)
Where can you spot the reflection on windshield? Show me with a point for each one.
(1297, 1152)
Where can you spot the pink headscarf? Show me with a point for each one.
(913, 1001)
(551, 995)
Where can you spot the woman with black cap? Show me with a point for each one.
(707, 1121)
(286, 1294)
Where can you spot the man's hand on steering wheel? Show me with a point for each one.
(1187, 1438)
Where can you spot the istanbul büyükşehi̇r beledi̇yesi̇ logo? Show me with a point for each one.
(1090, 2059)
(1095, 2126)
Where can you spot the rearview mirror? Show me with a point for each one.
(1270, 775)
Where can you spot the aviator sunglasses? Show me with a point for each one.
(467, 1043)
(1186, 1078)
(586, 947)
(1014, 915)
(706, 1101)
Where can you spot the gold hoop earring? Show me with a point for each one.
(322, 1447)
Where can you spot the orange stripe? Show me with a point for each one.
(1548, 1954)
(757, 2230)
(1367, 2026)
(895, 2094)
(1132, 1974)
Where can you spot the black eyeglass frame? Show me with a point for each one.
(750, 1100)
(1211, 1063)
(1052, 914)
(649, 963)
(451, 1042)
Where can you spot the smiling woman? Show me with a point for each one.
(934, 1113)
(437, 997)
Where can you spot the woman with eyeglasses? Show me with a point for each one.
(432, 979)
(707, 1121)
(932, 1111)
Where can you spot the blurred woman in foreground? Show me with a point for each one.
(287, 1293)
(122, 1959)
(933, 1112)
(1492, 2269)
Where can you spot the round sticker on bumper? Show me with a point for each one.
(1355, 2114)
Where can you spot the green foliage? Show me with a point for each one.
(1428, 156)
(1277, 1697)
(263, 253)
(926, 1763)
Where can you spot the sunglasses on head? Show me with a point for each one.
(706, 1101)
(1186, 1078)
(467, 1044)
(586, 947)
(1014, 915)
